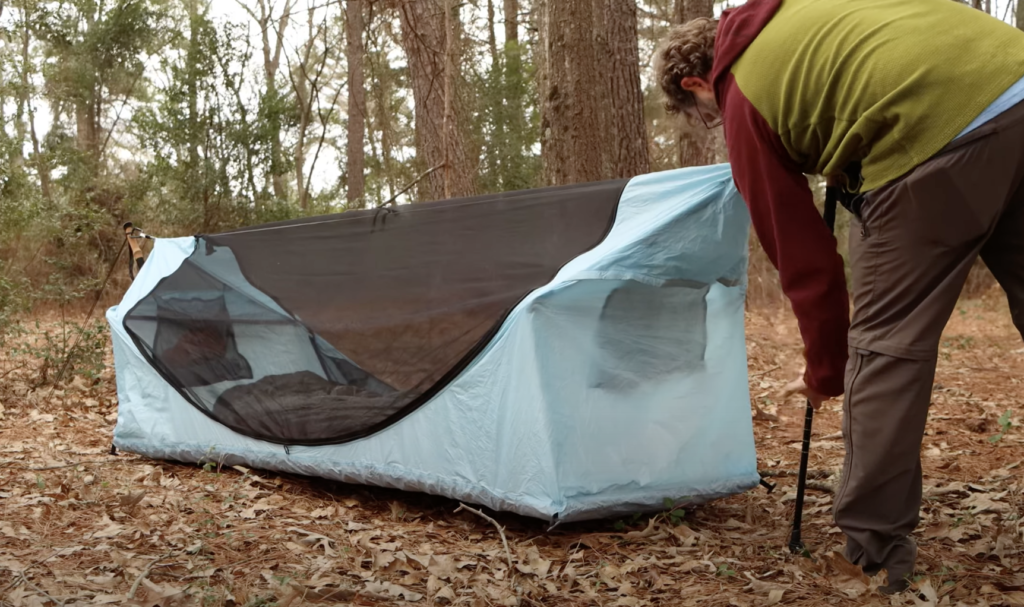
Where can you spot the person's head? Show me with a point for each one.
(682, 66)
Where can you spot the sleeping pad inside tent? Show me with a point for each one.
(564, 353)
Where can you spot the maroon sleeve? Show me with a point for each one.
(793, 235)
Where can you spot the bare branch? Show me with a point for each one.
(811, 474)
(145, 572)
(411, 185)
(501, 531)
(246, 8)
(323, 133)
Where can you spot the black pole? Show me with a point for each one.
(796, 544)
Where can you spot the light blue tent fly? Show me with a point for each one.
(609, 376)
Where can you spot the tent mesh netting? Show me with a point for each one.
(327, 329)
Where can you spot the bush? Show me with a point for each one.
(71, 349)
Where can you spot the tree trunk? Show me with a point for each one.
(492, 38)
(25, 102)
(87, 111)
(193, 90)
(271, 64)
(605, 111)
(696, 144)
(511, 13)
(499, 112)
(85, 127)
(24, 98)
(572, 146)
(355, 161)
(431, 38)
(629, 155)
(304, 88)
(303, 96)
(1020, 15)
(41, 162)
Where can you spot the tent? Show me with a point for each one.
(565, 353)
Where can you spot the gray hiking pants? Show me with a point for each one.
(910, 256)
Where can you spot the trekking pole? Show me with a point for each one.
(796, 544)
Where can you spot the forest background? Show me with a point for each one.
(197, 116)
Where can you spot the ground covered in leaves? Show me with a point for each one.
(81, 527)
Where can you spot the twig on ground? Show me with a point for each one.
(811, 474)
(18, 579)
(145, 572)
(766, 372)
(825, 487)
(40, 590)
(262, 557)
(501, 531)
(7, 465)
(9, 371)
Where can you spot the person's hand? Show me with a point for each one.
(799, 386)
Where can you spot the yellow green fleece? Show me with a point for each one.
(853, 80)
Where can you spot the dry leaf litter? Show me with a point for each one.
(79, 526)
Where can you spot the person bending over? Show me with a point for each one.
(914, 107)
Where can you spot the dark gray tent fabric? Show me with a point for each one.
(327, 329)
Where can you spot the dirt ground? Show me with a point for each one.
(81, 527)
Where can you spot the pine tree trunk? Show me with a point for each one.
(492, 38)
(629, 155)
(605, 111)
(355, 160)
(571, 145)
(696, 145)
(511, 13)
(431, 36)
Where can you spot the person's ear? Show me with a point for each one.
(695, 84)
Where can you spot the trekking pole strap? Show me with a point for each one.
(137, 257)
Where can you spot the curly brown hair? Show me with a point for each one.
(687, 50)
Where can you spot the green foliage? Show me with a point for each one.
(13, 303)
(508, 123)
(673, 515)
(389, 120)
(622, 525)
(94, 47)
(1005, 423)
(78, 348)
